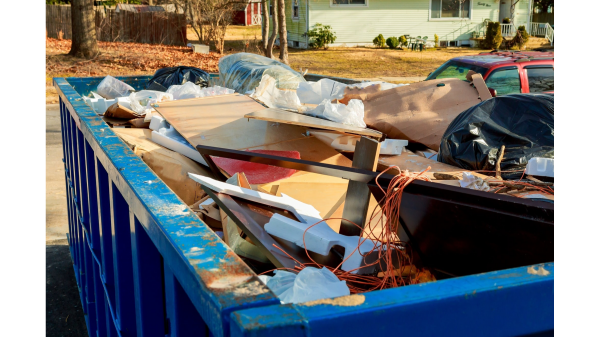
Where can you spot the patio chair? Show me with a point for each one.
(423, 44)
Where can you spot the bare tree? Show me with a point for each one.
(265, 25)
(216, 17)
(269, 51)
(512, 10)
(283, 48)
(193, 11)
(83, 25)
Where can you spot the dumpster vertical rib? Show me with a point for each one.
(147, 282)
(121, 244)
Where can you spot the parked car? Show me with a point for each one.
(506, 72)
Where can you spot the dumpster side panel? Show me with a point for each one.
(134, 242)
(511, 302)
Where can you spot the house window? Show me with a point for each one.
(295, 10)
(450, 9)
(349, 3)
(270, 10)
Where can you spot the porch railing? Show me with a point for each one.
(550, 34)
(508, 29)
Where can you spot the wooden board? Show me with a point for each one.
(358, 193)
(286, 117)
(219, 121)
(327, 198)
(415, 163)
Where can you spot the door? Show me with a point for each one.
(504, 10)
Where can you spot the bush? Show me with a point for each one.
(402, 40)
(379, 41)
(493, 35)
(506, 20)
(436, 40)
(524, 34)
(321, 36)
(392, 42)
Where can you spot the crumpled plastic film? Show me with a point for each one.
(191, 90)
(309, 284)
(316, 92)
(352, 114)
(268, 93)
(142, 101)
(111, 88)
(243, 72)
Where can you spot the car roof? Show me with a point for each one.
(497, 57)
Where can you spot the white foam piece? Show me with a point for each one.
(175, 144)
(306, 212)
(321, 238)
(540, 167)
(158, 122)
(100, 104)
(393, 146)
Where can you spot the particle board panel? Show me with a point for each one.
(287, 117)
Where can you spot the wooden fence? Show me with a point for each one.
(151, 27)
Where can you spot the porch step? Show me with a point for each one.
(537, 42)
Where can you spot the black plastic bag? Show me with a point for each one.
(523, 123)
(165, 77)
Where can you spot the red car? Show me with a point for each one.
(506, 72)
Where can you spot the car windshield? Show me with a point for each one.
(454, 69)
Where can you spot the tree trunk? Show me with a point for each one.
(273, 36)
(150, 3)
(265, 25)
(83, 25)
(283, 48)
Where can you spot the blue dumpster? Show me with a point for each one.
(146, 265)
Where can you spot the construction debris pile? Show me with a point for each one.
(324, 217)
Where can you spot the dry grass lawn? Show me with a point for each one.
(142, 59)
(361, 62)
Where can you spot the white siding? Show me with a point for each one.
(359, 25)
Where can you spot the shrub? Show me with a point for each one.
(436, 39)
(524, 34)
(493, 35)
(321, 36)
(506, 20)
(402, 40)
(392, 42)
(379, 41)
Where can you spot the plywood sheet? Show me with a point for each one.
(219, 121)
(287, 117)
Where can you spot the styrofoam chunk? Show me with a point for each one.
(540, 167)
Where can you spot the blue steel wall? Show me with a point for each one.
(144, 263)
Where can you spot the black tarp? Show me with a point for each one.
(165, 77)
(523, 123)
